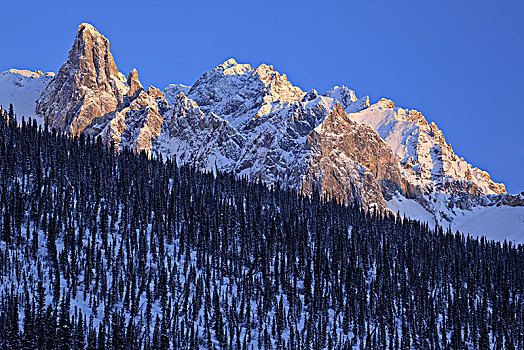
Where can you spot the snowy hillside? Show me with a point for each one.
(23, 88)
(498, 222)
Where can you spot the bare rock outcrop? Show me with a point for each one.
(87, 86)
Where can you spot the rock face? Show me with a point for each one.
(90, 95)
(240, 93)
(87, 86)
(253, 122)
(351, 161)
(132, 127)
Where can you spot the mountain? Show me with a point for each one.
(23, 88)
(249, 121)
(87, 86)
(253, 122)
(426, 160)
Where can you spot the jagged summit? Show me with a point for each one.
(348, 99)
(240, 93)
(427, 160)
(134, 83)
(230, 62)
(90, 95)
(87, 86)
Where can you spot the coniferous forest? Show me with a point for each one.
(100, 250)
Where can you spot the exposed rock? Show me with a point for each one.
(193, 137)
(160, 99)
(310, 96)
(134, 84)
(87, 86)
(239, 93)
(134, 127)
(351, 161)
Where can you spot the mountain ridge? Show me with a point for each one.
(255, 122)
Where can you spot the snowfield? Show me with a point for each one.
(22, 88)
(494, 222)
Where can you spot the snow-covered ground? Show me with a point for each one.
(411, 209)
(22, 88)
(499, 223)
(494, 222)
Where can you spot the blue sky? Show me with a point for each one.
(461, 63)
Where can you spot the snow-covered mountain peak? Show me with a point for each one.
(240, 94)
(427, 161)
(231, 67)
(343, 94)
(29, 74)
(255, 122)
(22, 87)
(230, 62)
(348, 99)
(277, 84)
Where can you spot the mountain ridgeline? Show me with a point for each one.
(254, 122)
(116, 250)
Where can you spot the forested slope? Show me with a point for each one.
(100, 250)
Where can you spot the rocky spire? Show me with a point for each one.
(134, 83)
(87, 86)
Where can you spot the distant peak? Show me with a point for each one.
(232, 67)
(29, 73)
(227, 64)
(343, 94)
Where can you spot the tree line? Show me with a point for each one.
(107, 250)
